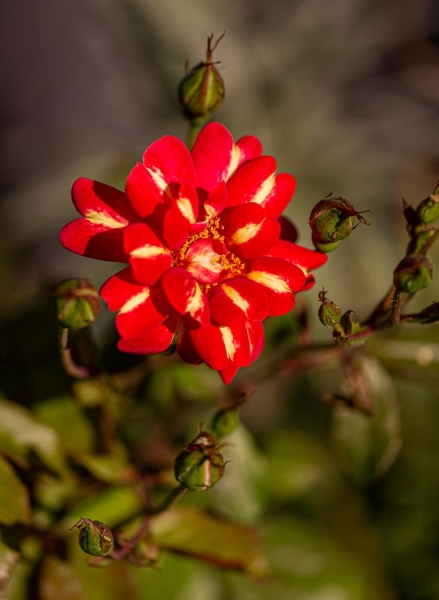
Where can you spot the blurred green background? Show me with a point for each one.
(345, 95)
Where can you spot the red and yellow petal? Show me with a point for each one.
(203, 260)
(213, 154)
(256, 181)
(238, 299)
(185, 295)
(167, 161)
(279, 279)
(248, 232)
(255, 331)
(94, 240)
(148, 256)
(143, 193)
(102, 204)
(249, 147)
(220, 346)
(156, 340)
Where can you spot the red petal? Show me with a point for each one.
(238, 299)
(203, 260)
(142, 312)
(288, 230)
(169, 161)
(248, 232)
(303, 257)
(120, 288)
(255, 331)
(278, 199)
(249, 147)
(143, 192)
(220, 346)
(213, 154)
(149, 258)
(278, 278)
(229, 373)
(252, 182)
(156, 340)
(92, 240)
(185, 295)
(102, 204)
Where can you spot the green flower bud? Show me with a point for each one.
(77, 303)
(201, 92)
(94, 537)
(329, 312)
(325, 247)
(413, 274)
(422, 239)
(225, 421)
(200, 465)
(332, 220)
(428, 209)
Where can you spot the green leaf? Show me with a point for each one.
(242, 492)
(192, 532)
(296, 465)
(368, 445)
(21, 433)
(108, 468)
(112, 506)
(14, 498)
(58, 412)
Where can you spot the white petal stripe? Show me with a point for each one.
(135, 301)
(274, 282)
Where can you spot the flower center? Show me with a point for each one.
(206, 256)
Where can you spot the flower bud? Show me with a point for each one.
(329, 312)
(332, 220)
(325, 247)
(413, 274)
(94, 537)
(77, 303)
(225, 421)
(201, 92)
(428, 210)
(200, 465)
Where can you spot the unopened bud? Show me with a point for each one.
(332, 220)
(94, 537)
(324, 246)
(329, 312)
(201, 92)
(200, 465)
(77, 303)
(428, 210)
(225, 421)
(413, 274)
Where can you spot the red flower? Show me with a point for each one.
(203, 238)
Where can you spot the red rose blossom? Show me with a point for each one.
(203, 237)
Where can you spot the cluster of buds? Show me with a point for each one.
(415, 271)
(331, 315)
(200, 465)
(77, 303)
(332, 220)
(201, 92)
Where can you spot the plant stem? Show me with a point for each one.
(74, 370)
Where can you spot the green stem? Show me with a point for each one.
(194, 130)
(74, 370)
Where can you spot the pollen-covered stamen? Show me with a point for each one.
(206, 256)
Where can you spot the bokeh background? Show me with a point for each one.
(345, 95)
